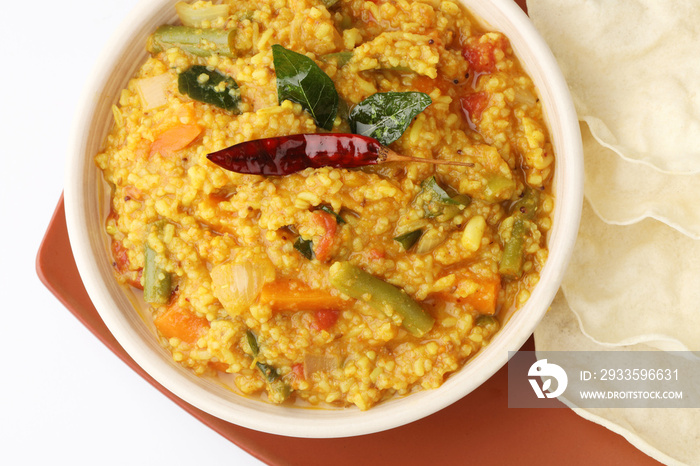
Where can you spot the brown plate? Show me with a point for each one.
(478, 429)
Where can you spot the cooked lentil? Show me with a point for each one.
(248, 307)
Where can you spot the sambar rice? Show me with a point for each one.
(247, 276)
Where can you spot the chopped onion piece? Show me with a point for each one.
(524, 96)
(190, 16)
(319, 363)
(152, 91)
(237, 286)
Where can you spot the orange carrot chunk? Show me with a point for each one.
(485, 299)
(294, 295)
(175, 139)
(176, 322)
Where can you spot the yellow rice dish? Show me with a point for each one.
(331, 285)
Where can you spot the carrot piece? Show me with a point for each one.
(218, 366)
(485, 299)
(176, 138)
(176, 322)
(427, 85)
(294, 295)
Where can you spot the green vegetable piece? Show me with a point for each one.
(341, 58)
(407, 240)
(157, 283)
(356, 283)
(490, 323)
(512, 260)
(498, 188)
(338, 219)
(305, 247)
(436, 201)
(301, 80)
(268, 371)
(278, 389)
(210, 87)
(201, 42)
(329, 3)
(524, 210)
(252, 343)
(526, 206)
(461, 199)
(385, 116)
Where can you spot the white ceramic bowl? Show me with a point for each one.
(123, 55)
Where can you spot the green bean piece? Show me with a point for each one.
(157, 283)
(278, 389)
(526, 206)
(356, 283)
(524, 210)
(407, 240)
(512, 260)
(201, 42)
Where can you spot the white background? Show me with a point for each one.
(64, 397)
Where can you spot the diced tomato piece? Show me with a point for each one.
(473, 105)
(330, 225)
(298, 371)
(324, 319)
(376, 254)
(480, 57)
(133, 193)
(121, 264)
(121, 258)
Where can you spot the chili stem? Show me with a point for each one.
(388, 155)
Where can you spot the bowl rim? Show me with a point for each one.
(331, 423)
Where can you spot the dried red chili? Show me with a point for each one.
(284, 155)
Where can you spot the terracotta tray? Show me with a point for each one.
(501, 436)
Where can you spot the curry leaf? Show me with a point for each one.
(329, 210)
(407, 240)
(305, 247)
(300, 80)
(210, 87)
(385, 116)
